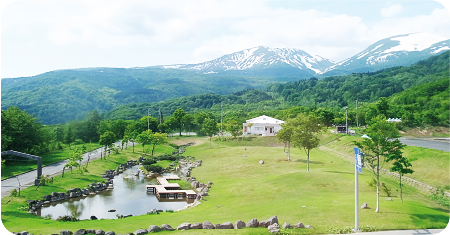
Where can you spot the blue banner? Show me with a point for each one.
(358, 159)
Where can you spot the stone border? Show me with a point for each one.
(271, 224)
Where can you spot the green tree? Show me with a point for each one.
(6, 137)
(210, 128)
(234, 127)
(178, 116)
(325, 116)
(187, 120)
(305, 134)
(400, 163)
(107, 139)
(286, 134)
(144, 138)
(20, 131)
(69, 136)
(90, 126)
(379, 147)
(158, 139)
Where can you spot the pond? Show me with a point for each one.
(129, 196)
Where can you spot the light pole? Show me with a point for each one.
(346, 123)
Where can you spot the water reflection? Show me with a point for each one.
(129, 196)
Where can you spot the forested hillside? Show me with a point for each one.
(65, 95)
(332, 92)
(341, 91)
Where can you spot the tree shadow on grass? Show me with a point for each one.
(341, 172)
(311, 162)
(420, 219)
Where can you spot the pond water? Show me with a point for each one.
(129, 196)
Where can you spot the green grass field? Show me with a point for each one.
(16, 168)
(244, 189)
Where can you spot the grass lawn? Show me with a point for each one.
(163, 163)
(244, 189)
(15, 168)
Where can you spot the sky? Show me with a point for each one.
(38, 36)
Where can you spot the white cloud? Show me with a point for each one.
(392, 11)
(178, 31)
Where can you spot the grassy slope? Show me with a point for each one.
(47, 159)
(244, 189)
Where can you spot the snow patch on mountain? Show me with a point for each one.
(262, 57)
(414, 42)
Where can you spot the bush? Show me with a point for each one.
(154, 169)
(169, 157)
(439, 197)
(67, 218)
(149, 161)
(13, 193)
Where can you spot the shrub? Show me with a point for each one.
(169, 157)
(13, 193)
(155, 169)
(67, 218)
(149, 161)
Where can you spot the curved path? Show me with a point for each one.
(27, 179)
(443, 145)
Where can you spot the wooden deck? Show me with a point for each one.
(170, 190)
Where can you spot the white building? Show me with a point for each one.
(262, 125)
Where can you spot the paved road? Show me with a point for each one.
(27, 179)
(438, 145)
(409, 232)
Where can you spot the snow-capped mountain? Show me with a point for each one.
(401, 50)
(263, 58)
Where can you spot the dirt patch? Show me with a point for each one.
(426, 132)
(196, 141)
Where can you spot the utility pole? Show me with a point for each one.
(346, 123)
(148, 119)
(357, 115)
(221, 118)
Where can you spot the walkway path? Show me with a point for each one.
(431, 144)
(407, 232)
(27, 179)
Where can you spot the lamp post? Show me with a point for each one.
(346, 123)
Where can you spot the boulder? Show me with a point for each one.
(194, 184)
(226, 225)
(140, 232)
(273, 220)
(253, 223)
(364, 206)
(153, 229)
(80, 232)
(210, 183)
(264, 223)
(90, 231)
(388, 199)
(166, 227)
(110, 233)
(308, 226)
(197, 226)
(239, 224)
(63, 232)
(25, 233)
(274, 228)
(299, 225)
(184, 226)
(99, 232)
(208, 225)
(261, 162)
(287, 225)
